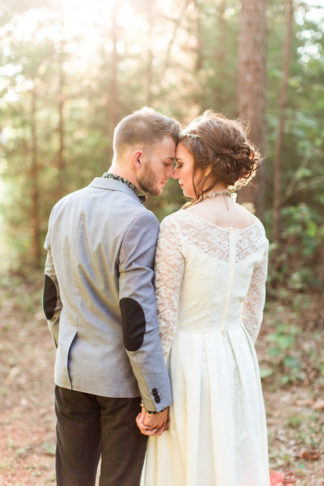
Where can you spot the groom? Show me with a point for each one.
(100, 305)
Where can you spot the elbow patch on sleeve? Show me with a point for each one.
(133, 323)
(49, 297)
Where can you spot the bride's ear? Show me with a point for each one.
(207, 171)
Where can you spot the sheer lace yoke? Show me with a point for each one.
(214, 240)
(244, 252)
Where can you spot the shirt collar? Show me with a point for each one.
(109, 175)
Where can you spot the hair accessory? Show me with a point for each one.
(184, 134)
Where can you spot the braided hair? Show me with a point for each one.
(220, 145)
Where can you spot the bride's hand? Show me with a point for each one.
(145, 429)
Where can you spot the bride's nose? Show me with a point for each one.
(175, 174)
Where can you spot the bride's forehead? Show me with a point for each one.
(182, 151)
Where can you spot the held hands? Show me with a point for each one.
(152, 424)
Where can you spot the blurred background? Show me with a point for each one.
(69, 71)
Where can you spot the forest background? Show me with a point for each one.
(70, 70)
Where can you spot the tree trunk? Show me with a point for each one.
(221, 28)
(36, 251)
(220, 53)
(112, 96)
(282, 115)
(61, 128)
(150, 56)
(199, 37)
(177, 23)
(252, 88)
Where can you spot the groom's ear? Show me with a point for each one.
(136, 159)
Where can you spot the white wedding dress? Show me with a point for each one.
(210, 284)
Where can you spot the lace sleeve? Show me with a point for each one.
(252, 310)
(169, 267)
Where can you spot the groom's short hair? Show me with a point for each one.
(145, 126)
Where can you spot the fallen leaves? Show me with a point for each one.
(289, 478)
(318, 405)
(277, 478)
(310, 454)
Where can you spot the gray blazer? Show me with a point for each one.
(99, 297)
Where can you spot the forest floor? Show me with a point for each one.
(290, 352)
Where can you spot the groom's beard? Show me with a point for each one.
(148, 181)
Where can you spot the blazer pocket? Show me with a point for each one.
(63, 359)
(68, 362)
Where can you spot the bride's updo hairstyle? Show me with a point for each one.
(221, 150)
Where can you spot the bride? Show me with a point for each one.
(211, 266)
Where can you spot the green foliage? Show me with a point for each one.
(179, 62)
(295, 260)
(283, 363)
(49, 448)
(293, 354)
(283, 339)
(294, 421)
(302, 228)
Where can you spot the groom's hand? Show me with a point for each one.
(153, 424)
(156, 420)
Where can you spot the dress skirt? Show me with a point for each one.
(217, 433)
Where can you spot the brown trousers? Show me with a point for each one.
(90, 427)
